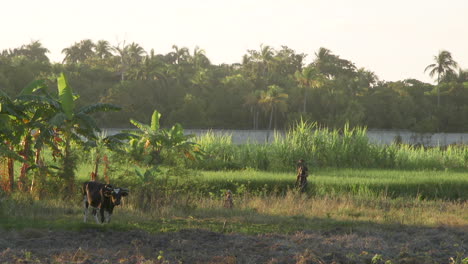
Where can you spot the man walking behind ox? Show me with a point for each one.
(302, 174)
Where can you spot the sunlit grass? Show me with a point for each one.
(265, 202)
(251, 214)
(366, 183)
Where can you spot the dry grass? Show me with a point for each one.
(295, 206)
(293, 228)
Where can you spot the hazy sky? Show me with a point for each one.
(396, 39)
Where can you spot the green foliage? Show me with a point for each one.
(189, 90)
(157, 145)
(364, 183)
(65, 96)
(6, 152)
(322, 147)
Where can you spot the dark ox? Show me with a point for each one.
(102, 197)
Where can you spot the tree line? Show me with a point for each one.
(270, 89)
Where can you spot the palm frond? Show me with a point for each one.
(144, 128)
(155, 120)
(58, 120)
(38, 99)
(99, 107)
(86, 122)
(4, 98)
(65, 96)
(6, 152)
(32, 87)
(430, 66)
(122, 136)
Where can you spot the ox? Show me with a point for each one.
(102, 197)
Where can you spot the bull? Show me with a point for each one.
(103, 198)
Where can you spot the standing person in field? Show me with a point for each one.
(302, 174)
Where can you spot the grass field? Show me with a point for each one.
(345, 196)
(347, 216)
(443, 185)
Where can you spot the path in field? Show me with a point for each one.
(405, 244)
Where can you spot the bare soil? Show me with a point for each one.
(400, 245)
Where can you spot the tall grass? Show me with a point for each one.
(322, 147)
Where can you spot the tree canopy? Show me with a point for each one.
(270, 88)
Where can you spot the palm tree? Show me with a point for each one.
(131, 57)
(36, 51)
(252, 100)
(265, 57)
(135, 53)
(103, 49)
(363, 81)
(71, 54)
(332, 66)
(272, 100)
(180, 55)
(86, 49)
(199, 58)
(79, 52)
(323, 57)
(122, 55)
(310, 77)
(444, 64)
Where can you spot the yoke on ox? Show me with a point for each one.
(102, 197)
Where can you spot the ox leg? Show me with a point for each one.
(85, 203)
(102, 216)
(96, 216)
(107, 216)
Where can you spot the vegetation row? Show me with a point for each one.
(322, 148)
(270, 88)
(49, 137)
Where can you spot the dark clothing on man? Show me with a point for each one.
(302, 174)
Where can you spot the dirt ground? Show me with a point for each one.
(403, 245)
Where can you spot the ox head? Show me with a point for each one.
(115, 194)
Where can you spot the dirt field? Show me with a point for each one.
(405, 245)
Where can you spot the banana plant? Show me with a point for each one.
(24, 127)
(74, 125)
(14, 128)
(102, 145)
(154, 139)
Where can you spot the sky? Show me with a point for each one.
(396, 39)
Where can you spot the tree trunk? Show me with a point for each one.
(11, 174)
(275, 119)
(257, 118)
(305, 101)
(438, 91)
(106, 167)
(38, 162)
(271, 117)
(69, 165)
(438, 100)
(22, 181)
(94, 175)
(252, 110)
